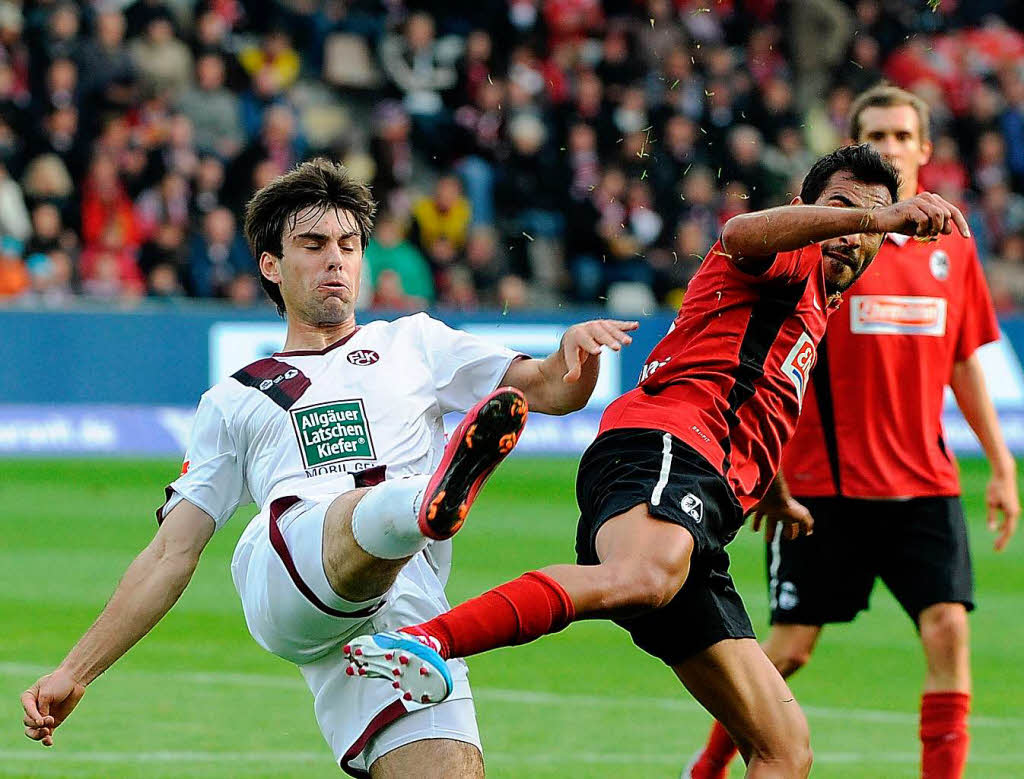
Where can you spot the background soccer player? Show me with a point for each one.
(870, 462)
(336, 438)
(679, 459)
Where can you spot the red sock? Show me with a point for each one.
(944, 737)
(514, 613)
(713, 762)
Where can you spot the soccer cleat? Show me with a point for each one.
(409, 664)
(480, 442)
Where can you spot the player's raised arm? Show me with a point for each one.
(564, 381)
(151, 585)
(832, 206)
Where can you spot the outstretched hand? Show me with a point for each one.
(583, 341)
(923, 216)
(48, 702)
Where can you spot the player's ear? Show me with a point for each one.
(796, 201)
(270, 267)
(926, 152)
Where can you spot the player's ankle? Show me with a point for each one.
(425, 638)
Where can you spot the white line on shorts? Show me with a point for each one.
(519, 697)
(666, 466)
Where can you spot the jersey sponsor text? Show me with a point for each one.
(333, 432)
(798, 363)
(897, 315)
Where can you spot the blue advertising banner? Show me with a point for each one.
(102, 383)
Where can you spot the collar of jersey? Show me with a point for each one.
(310, 352)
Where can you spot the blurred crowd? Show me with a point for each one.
(524, 153)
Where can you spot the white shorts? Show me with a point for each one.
(292, 611)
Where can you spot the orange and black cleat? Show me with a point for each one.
(482, 440)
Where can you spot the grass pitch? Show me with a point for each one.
(199, 698)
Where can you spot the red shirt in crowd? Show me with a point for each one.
(729, 377)
(872, 421)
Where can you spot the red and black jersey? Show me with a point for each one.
(872, 421)
(729, 377)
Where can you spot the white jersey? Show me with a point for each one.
(318, 423)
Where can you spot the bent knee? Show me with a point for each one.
(944, 628)
(632, 588)
(786, 746)
(791, 660)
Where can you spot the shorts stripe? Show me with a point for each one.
(278, 507)
(773, 569)
(666, 466)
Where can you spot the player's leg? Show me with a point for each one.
(735, 681)
(789, 648)
(928, 570)
(437, 742)
(812, 580)
(644, 561)
(440, 758)
(370, 534)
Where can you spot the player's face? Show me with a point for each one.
(895, 133)
(320, 267)
(847, 257)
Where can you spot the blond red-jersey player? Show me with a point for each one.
(869, 459)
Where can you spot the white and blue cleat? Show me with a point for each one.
(409, 664)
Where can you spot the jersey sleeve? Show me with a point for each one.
(978, 326)
(787, 267)
(464, 367)
(791, 267)
(212, 477)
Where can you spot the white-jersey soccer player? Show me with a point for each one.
(339, 440)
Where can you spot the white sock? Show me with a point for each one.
(384, 522)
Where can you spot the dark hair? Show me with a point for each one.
(317, 184)
(864, 164)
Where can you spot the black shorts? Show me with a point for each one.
(632, 467)
(917, 547)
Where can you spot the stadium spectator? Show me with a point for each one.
(213, 109)
(444, 216)
(108, 71)
(106, 206)
(164, 62)
(389, 253)
(274, 60)
(651, 89)
(217, 255)
(108, 268)
(14, 277)
(420, 68)
(14, 218)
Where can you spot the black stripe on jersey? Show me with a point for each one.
(775, 305)
(821, 379)
(278, 380)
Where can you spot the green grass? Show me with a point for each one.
(199, 698)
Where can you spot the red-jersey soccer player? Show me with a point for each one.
(682, 457)
(869, 458)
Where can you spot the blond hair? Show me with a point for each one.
(889, 96)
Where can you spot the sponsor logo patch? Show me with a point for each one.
(332, 433)
(798, 363)
(693, 506)
(363, 357)
(649, 369)
(897, 315)
(184, 467)
(788, 598)
(938, 263)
